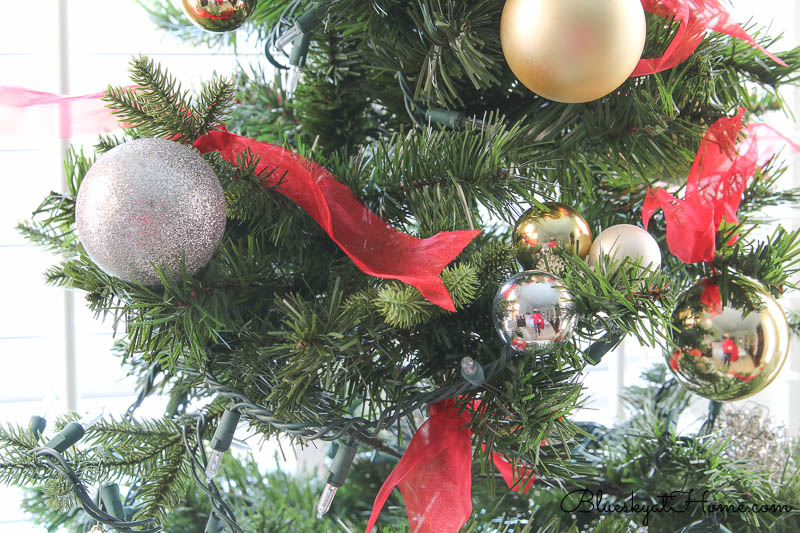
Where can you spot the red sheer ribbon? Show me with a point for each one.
(716, 183)
(435, 473)
(711, 297)
(695, 17)
(674, 360)
(47, 114)
(375, 247)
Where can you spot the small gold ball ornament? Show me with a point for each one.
(728, 352)
(539, 232)
(572, 50)
(218, 15)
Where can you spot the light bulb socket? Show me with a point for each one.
(308, 21)
(602, 347)
(112, 500)
(338, 474)
(300, 50)
(70, 435)
(341, 464)
(37, 424)
(445, 117)
(214, 524)
(221, 441)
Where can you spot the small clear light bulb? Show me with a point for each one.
(221, 442)
(292, 80)
(287, 37)
(325, 500)
(336, 477)
(472, 371)
(214, 460)
(468, 366)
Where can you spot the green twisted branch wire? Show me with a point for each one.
(350, 429)
(57, 462)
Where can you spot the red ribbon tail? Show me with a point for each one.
(375, 247)
(514, 475)
(695, 19)
(434, 475)
(720, 174)
(431, 286)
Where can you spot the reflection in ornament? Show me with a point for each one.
(218, 15)
(533, 312)
(731, 353)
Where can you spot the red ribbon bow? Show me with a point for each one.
(714, 189)
(696, 17)
(375, 247)
(435, 473)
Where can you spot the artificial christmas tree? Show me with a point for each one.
(368, 234)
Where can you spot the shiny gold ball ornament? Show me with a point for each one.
(218, 15)
(728, 352)
(534, 312)
(539, 232)
(572, 50)
(626, 240)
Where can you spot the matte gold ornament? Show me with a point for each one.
(626, 240)
(572, 50)
(534, 312)
(539, 232)
(218, 15)
(728, 352)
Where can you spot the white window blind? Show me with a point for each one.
(50, 344)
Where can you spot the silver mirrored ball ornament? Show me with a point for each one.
(148, 203)
(534, 312)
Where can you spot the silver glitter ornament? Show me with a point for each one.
(148, 203)
(218, 15)
(534, 312)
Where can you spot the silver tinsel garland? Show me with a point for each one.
(754, 438)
